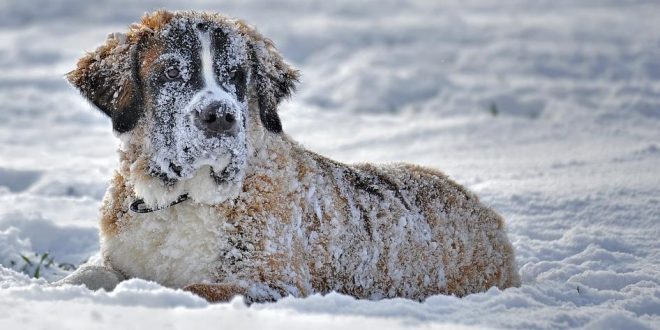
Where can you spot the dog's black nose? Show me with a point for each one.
(216, 119)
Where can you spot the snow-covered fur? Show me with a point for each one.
(265, 217)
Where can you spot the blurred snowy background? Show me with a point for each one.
(549, 110)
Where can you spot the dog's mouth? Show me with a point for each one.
(175, 174)
(206, 184)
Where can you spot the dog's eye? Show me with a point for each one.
(172, 73)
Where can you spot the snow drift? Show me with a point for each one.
(549, 111)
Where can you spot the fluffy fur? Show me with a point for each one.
(291, 222)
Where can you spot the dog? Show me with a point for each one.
(212, 197)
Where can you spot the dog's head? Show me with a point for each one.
(187, 94)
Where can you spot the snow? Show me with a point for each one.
(570, 159)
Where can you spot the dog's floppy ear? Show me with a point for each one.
(274, 80)
(108, 77)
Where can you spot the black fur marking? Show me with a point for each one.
(284, 86)
(393, 186)
(202, 27)
(224, 176)
(268, 115)
(227, 75)
(366, 221)
(363, 182)
(239, 79)
(359, 182)
(125, 118)
(99, 92)
(267, 98)
(167, 180)
(219, 49)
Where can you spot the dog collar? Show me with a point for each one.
(139, 206)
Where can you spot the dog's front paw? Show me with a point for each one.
(93, 277)
(218, 292)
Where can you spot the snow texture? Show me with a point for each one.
(569, 159)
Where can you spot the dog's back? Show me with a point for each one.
(404, 231)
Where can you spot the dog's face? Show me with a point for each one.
(184, 92)
(194, 78)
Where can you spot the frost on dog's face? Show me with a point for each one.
(194, 80)
(194, 77)
(183, 90)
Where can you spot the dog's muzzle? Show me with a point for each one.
(215, 119)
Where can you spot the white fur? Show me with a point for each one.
(175, 247)
(207, 61)
(211, 88)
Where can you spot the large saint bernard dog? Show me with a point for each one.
(212, 197)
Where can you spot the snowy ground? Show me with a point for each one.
(549, 110)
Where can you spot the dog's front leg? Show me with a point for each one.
(216, 292)
(93, 277)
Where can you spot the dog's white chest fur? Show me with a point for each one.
(176, 246)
